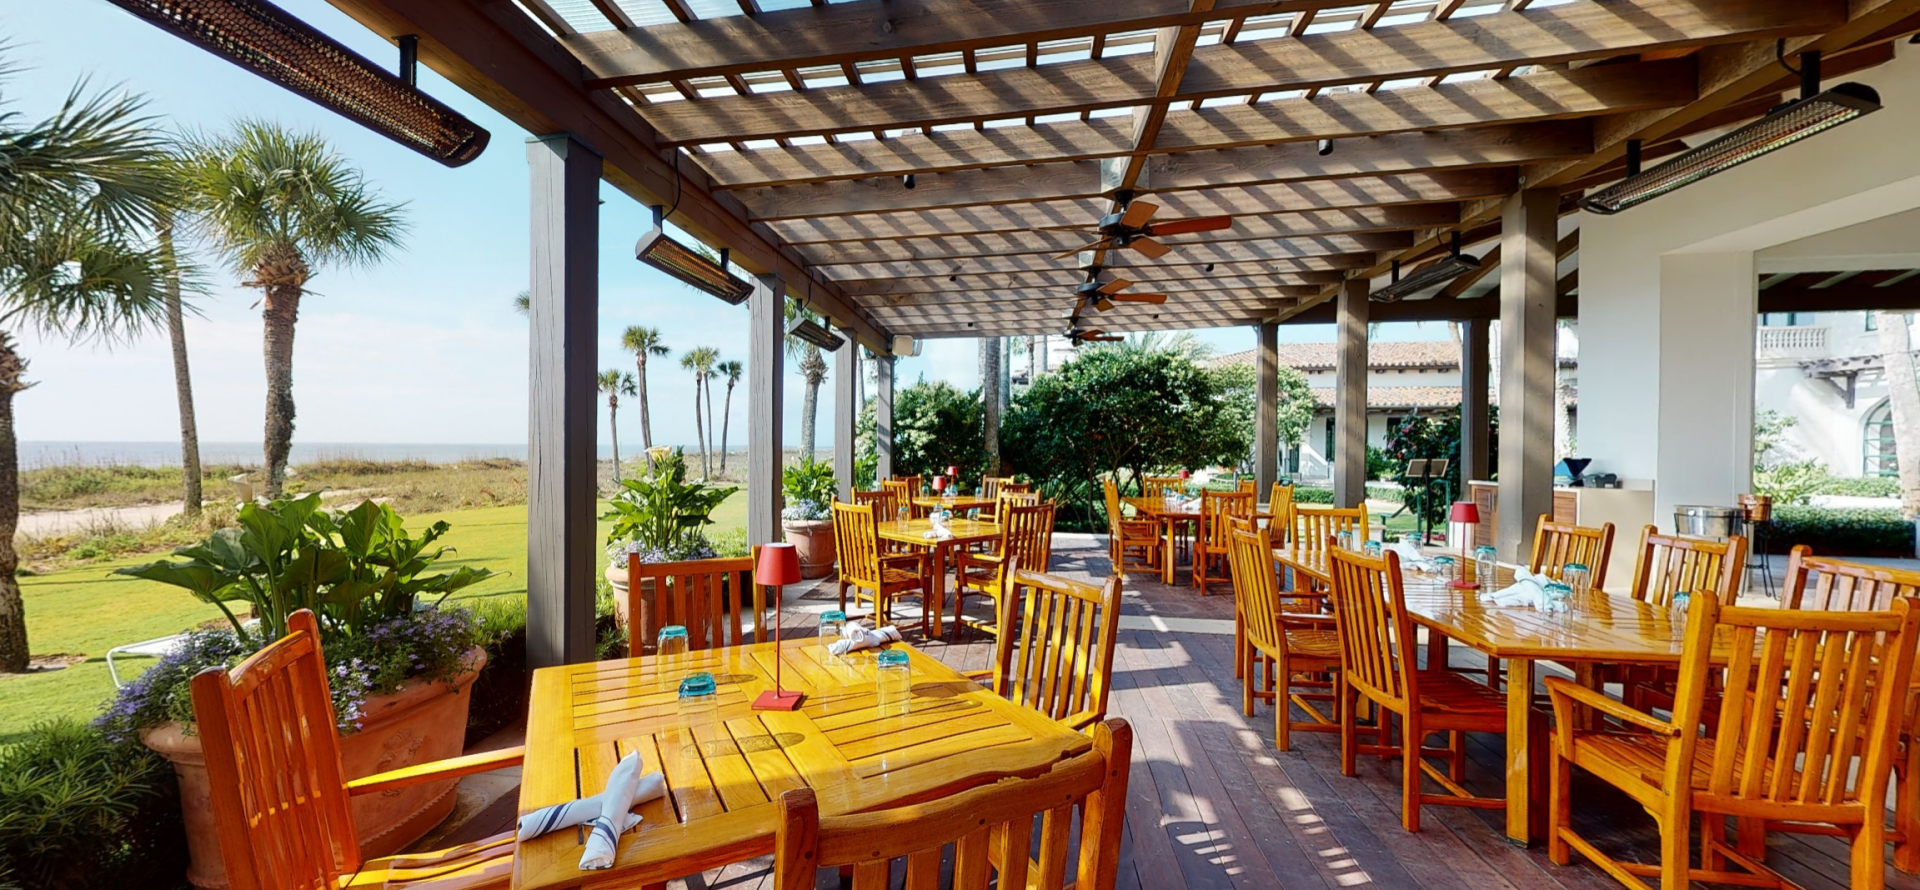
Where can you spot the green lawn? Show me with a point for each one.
(87, 611)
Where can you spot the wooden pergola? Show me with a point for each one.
(786, 131)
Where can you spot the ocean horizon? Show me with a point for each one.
(36, 455)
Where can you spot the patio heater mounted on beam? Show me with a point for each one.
(689, 266)
(1814, 112)
(1455, 265)
(264, 39)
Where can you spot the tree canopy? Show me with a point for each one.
(935, 426)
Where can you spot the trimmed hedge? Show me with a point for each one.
(1841, 531)
(1381, 491)
(1305, 495)
(1859, 487)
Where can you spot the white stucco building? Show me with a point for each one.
(1824, 370)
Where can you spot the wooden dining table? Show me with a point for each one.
(961, 503)
(960, 533)
(1169, 515)
(1602, 628)
(724, 784)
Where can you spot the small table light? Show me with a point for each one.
(779, 566)
(1468, 514)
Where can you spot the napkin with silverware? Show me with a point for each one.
(856, 636)
(1527, 589)
(609, 809)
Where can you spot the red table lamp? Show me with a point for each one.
(939, 483)
(953, 472)
(779, 566)
(1464, 513)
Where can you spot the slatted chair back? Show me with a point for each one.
(1026, 533)
(903, 491)
(1280, 507)
(1315, 524)
(990, 486)
(1832, 585)
(1060, 663)
(709, 597)
(1216, 507)
(276, 787)
(1256, 586)
(913, 483)
(1555, 544)
(1244, 486)
(1803, 695)
(1115, 514)
(1158, 486)
(885, 502)
(1377, 642)
(979, 824)
(1674, 564)
(995, 491)
(856, 540)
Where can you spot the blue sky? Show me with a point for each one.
(424, 348)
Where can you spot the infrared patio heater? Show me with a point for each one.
(1814, 112)
(266, 40)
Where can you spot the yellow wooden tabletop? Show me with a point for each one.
(914, 531)
(1159, 508)
(957, 502)
(722, 787)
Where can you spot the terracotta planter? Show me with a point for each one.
(813, 541)
(420, 723)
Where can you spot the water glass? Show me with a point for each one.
(893, 682)
(1485, 564)
(1681, 603)
(699, 711)
(1577, 577)
(833, 624)
(1446, 567)
(1559, 599)
(900, 515)
(1371, 548)
(1343, 540)
(671, 656)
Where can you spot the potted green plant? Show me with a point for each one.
(401, 667)
(807, 520)
(659, 516)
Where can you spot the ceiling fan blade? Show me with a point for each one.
(1115, 286)
(1137, 214)
(1149, 248)
(1190, 225)
(1155, 299)
(1103, 304)
(1092, 332)
(1105, 339)
(1097, 245)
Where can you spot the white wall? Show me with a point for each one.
(1667, 294)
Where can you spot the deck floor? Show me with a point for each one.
(1212, 805)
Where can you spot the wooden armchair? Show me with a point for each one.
(1378, 662)
(1133, 545)
(1290, 644)
(1157, 486)
(885, 503)
(705, 596)
(1280, 509)
(1210, 552)
(1803, 695)
(279, 796)
(1556, 544)
(873, 573)
(990, 829)
(908, 488)
(1026, 535)
(1316, 524)
(1059, 661)
(1667, 565)
(996, 489)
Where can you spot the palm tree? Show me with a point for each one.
(191, 494)
(280, 206)
(80, 192)
(813, 369)
(732, 370)
(644, 343)
(615, 384)
(523, 302)
(700, 361)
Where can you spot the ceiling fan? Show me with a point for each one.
(1076, 336)
(1132, 227)
(1102, 295)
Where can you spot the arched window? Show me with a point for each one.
(1879, 442)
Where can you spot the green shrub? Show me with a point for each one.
(1841, 531)
(79, 812)
(1860, 487)
(1305, 495)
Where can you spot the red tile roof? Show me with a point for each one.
(1386, 398)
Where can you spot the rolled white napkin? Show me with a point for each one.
(616, 804)
(1528, 589)
(938, 533)
(1410, 555)
(855, 637)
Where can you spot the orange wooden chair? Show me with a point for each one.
(873, 573)
(1026, 536)
(907, 488)
(1556, 544)
(1280, 511)
(1211, 546)
(279, 796)
(1803, 696)
(885, 502)
(1377, 662)
(1315, 525)
(706, 596)
(1158, 486)
(1824, 584)
(1664, 566)
(1289, 644)
(994, 488)
(1133, 545)
(990, 830)
(1059, 660)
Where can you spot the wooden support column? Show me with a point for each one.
(766, 372)
(1475, 365)
(1529, 232)
(990, 391)
(1350, 396)
(563, 415)
(1266, 411)
(883, 419)
(846, 408)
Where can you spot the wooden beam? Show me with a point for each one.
(766, 400)
(846, 410)
(1853, 295)
(1266, 408)
(1580, 30)
(1369, 157)
(1010, 253)
(506, 60)
(976, 275)
(1553, 94)
(1475, 421)
(1527, 378)
(1020, 285)
(883, 415)
(1276, 226)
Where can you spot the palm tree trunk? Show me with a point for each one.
(190, 495)
(726, 425)
(808, 411)
(1903, 391)
(699, 432)
(1031, 350)
(613, 428)
(990, 401)
(720, 459)
(646, 421)
(282, 311)
(13, 612)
